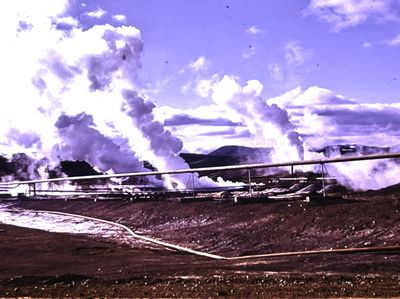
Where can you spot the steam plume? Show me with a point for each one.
(268, 124)
(80, 95)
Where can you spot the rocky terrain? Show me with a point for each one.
(38, 263)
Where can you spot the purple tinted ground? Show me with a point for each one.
(37, 263)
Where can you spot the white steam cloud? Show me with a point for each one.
(317, 116)
(268, 124)
(71, 93)
(325, 118)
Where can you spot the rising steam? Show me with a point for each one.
(268, 124)
(72, 93)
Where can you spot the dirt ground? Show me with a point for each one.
(37, 263)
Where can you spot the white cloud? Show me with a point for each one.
(120, 18)
(203, 87)
(276, 72)
(209, 121)
(312, 96)
(367, 45)
(249, 52)
(14, 14)
(154, 89)
(395, 41)
(185, 88)
(347, 13)
(97, 14)
(163, 113)
(70, 21)
(295, 54)
(253, 30)
(327, 118)
(201, 64)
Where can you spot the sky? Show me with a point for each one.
(118, 82)
(346, 49)
(349, 47)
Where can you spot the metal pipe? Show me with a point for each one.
(205, 169)
(141, 237)
(355, 250)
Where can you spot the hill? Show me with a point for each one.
(228, 155)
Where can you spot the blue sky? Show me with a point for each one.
(354, 61)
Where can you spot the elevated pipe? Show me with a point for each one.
(206, 169)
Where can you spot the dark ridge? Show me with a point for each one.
(199, 161)
(387, 190)
(192, 158)
(227, 155)
(242, 151)
(77, 168)
(5, 166)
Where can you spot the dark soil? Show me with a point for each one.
(37, 263)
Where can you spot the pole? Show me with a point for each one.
(33, 189)
(194, 194)
(323, 179)
(250, 187)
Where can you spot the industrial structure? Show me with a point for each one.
(191, 190)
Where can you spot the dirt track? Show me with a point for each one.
(38, 263)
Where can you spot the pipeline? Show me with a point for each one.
(140, 237)
(374, 249)
(206, 169)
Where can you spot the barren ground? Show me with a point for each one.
(38, 263)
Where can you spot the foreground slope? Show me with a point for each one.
(61, 264)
